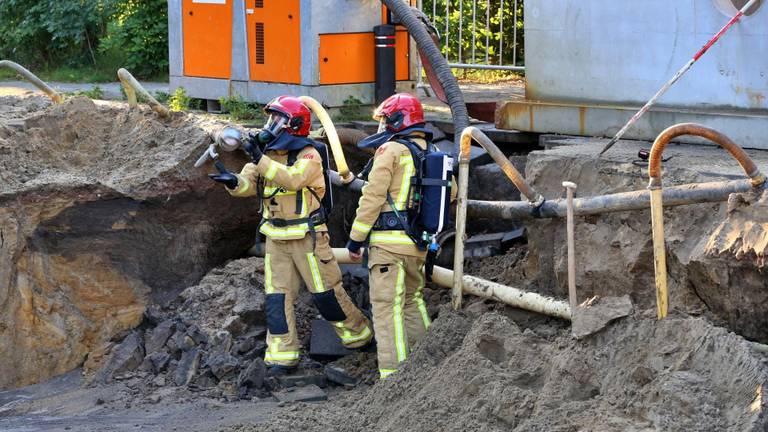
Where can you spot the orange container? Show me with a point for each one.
(207, 34)
(274, 44)
(348, 58)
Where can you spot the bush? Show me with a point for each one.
(94, 93)
(353, 109)
(179, 101)
(239, 109)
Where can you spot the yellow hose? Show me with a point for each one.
(333, 137)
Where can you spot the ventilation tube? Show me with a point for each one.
(333, 137)
(423, 39)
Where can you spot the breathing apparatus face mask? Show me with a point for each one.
(275, 125)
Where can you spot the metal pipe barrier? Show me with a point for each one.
(132, 86)
(45, 88)
(619, 202)
(535, 199)
(477, 19)
(757, 179)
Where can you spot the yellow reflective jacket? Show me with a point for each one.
(281, 185)
(392, 170)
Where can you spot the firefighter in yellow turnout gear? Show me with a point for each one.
(297, 248)
(395, 263)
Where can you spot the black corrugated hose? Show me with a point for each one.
(418, 32)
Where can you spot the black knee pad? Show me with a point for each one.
(276, 321)
(328, 306)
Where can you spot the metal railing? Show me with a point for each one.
(479, 34)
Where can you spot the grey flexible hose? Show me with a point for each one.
(403, 12)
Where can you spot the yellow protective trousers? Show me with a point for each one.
(286, 263)
(400, 316)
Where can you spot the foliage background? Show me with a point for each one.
(460, 12)
(100, 35)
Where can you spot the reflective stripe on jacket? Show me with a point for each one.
(282, 183)
(392, 170)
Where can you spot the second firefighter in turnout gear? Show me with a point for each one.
(395, 263)
(289, 179)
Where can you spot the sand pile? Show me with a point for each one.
(101, 214)
(681, 374)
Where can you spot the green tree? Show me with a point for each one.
(98, 34)
(140, 32)
(46, 32)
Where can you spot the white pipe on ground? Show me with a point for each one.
(483, 288)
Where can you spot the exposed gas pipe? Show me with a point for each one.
(534, 198)
(619, 202)
(45, 88)
(483, 288)
(757, 179)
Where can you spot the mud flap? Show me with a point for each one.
(328, 306)
(276, 321)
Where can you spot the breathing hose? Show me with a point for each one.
(435, 58)
(333, 137)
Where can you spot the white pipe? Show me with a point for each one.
(132, 86)
(333, 137)
(21, 70)
(482, 288)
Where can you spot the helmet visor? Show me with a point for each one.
(276, 123)
(382, 124)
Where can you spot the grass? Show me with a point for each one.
(94, 93)
(488, 76)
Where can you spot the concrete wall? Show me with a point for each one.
(621, 51)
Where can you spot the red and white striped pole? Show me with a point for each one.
(677, 76)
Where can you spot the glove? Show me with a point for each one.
(354, 250)
(227, 178)
(354, 246)
(252, 147)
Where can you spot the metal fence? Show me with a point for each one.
(479, 34)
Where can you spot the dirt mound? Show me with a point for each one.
(101, 213)
(80, 141)
(680, 374)
(714, 250)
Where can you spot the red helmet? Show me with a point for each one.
(398, 112)
(293, 116)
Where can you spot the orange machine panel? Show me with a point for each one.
(207, 33)
(274, 45)
(348, 58)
